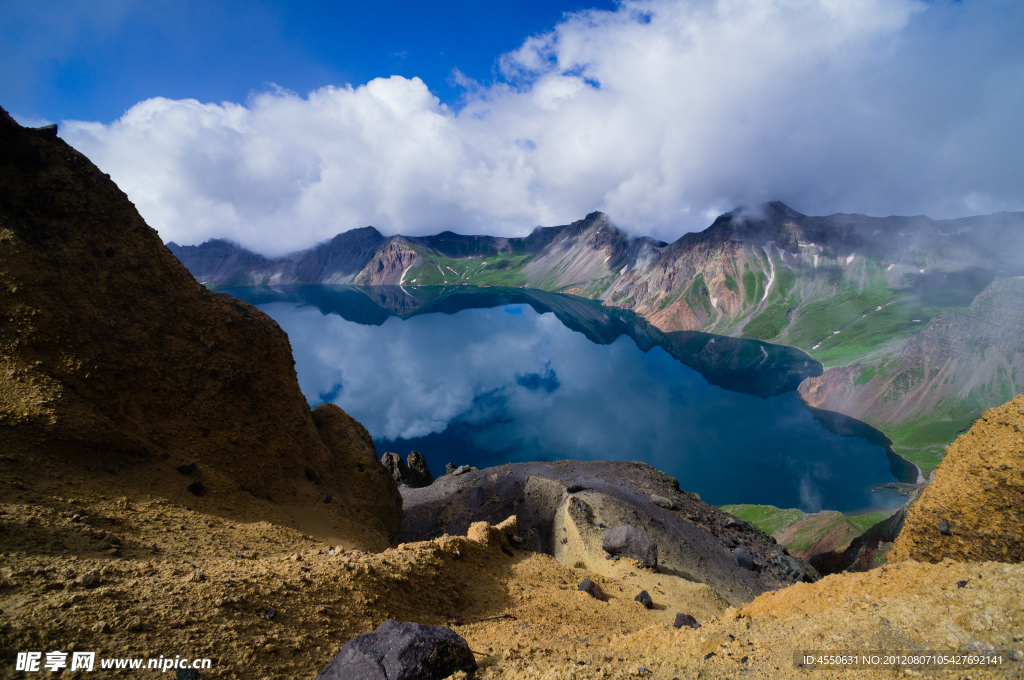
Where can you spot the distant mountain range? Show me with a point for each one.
(917, 320)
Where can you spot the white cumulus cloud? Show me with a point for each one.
(661, 113)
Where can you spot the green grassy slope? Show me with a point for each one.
(802, 532)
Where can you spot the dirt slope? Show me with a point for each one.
(208, 589)
(978, 492)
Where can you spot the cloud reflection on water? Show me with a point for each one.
(486, 386)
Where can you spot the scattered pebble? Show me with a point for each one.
(591, 588)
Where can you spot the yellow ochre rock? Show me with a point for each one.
(972, 511)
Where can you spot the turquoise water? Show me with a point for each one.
(483, 385)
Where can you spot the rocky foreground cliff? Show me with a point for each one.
(115, 364)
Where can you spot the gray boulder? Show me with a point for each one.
(744, 559)
(628, 541)
(401, 651)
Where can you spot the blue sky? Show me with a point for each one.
(94, 60)
(278, 125)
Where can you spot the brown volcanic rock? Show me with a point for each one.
(368, 486)
(113, 357)
(978, 492)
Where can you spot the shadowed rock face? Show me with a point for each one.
(113, 357)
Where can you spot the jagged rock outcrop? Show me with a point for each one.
(413, 474)
(114, 361)
(974, 508)
(419, 470)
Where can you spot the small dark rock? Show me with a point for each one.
(186, 469)
(271, 613)
(685, 620)
(744, 559)
(944, 528)
(328, 498)
(187, 674)
(961, 584)
(591, 588)
(645, 599)
(175, 625)
(628, 541)
(708, 655)
(196, 488)
(744, 659)
(312, 476)
(109, 252)
(401, 651)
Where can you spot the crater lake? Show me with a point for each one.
(486, 376)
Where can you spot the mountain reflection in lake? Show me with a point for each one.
(484, 385)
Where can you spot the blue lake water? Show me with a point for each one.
(483, 385)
